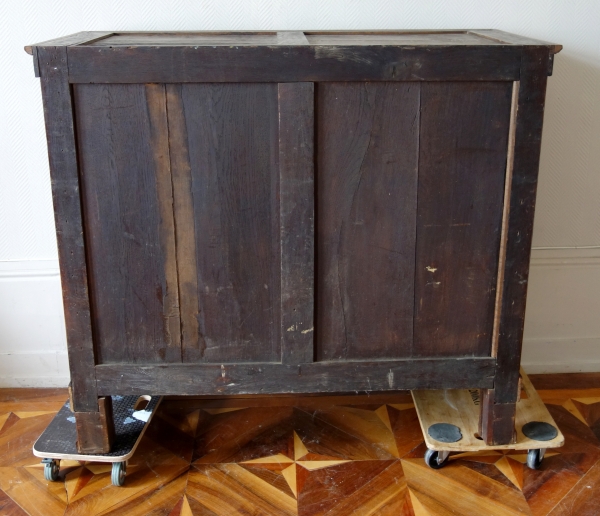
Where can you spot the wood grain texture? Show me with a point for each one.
(300, 63)
(462, 162)
(323, 377)
(335, 457)
(263, 37)
(62, 154)
(530, 115)
(367, 148)
(496, 420)
(515, 39)
(228, 159)
(404, 38)
(505, 215)
(72, 39)
(185, 226)
(227, 38)
(296, 201)
(566, 381)
(125, 170)
(96, 430)
(584, 498)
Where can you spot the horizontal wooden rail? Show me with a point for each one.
(322, 377)
(180, 64)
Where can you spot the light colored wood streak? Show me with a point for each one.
(472, 494)
(221, 489)
(505, 214)
(456, 406)
(185, 226)
(291, 38)
(157, 111)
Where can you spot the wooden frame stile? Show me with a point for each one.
(297, 219)
(498, 405)
(93, 415)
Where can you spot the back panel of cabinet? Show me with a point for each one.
(123, 147)
(410, 187)
(366, 206)
(180, 200)
(224, 154)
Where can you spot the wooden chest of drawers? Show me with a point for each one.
(293, 212)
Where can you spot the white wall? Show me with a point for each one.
(562, 327)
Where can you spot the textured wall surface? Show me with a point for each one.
(562, 330)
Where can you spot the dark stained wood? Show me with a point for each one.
(182, 38)
(183, 210)
(60, 133)
(367, 148)
(124, 158)
(96, 430)
(296, 201)
(405, 38)
(528, 137)
(364, 37)
(233, 175)
(584, 498)
(515, 39)
(88, 64)
(191, 170)
(497, 420)
(323, 377)
(565, 381)
(288, 400)
(72, 39)
(462, 163)
(36, 65)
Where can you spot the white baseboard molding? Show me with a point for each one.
(577, 355)
(34, 369)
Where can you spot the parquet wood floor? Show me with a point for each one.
(299, 456)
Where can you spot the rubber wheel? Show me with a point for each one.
(119, 470)
(534, 461)
(51, 470)
(431, 459)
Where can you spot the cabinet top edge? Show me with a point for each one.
(401, 38)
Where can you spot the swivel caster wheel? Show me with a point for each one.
(436, 459)
(534, 458)
(51, 469)
(119, 470)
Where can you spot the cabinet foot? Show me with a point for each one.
(497, 420)
(95, 430)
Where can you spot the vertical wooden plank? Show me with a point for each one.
(60, 133)
(230, 135)
(528, 137)
(463, 142)
(367, 151)
(96, 430)
(510, 155)
(159, 143)
(296, 171)
(192, 342)
(127, 200)
(499, 404)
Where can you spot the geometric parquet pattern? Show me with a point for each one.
(299, 456)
